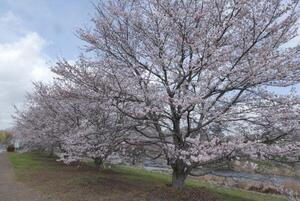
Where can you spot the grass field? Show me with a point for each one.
(117, 183)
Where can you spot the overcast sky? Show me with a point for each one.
(33, 34)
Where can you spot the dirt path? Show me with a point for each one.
(11, 190)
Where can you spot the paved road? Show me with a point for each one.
(11, 190)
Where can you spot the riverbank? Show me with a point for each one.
(253, 182)
(69, 183)
(265, 167)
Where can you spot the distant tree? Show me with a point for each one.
(40, 124)
(5, 137)
(75, 129)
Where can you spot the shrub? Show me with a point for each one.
(10, 148)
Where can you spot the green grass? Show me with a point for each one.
(24, 163)
(227, 194)
(234, 194)
(28, 162)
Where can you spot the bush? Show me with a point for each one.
(10, 148)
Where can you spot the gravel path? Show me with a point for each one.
(11, 190)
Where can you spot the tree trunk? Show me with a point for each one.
(98, 163)
(179, 174)
(297, 168)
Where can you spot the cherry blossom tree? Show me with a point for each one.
(189, 79)
(37, 124)
(74, 128)
(98, 136)
(101, 128)
(188, 72)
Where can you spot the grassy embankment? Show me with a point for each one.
(30, 168)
